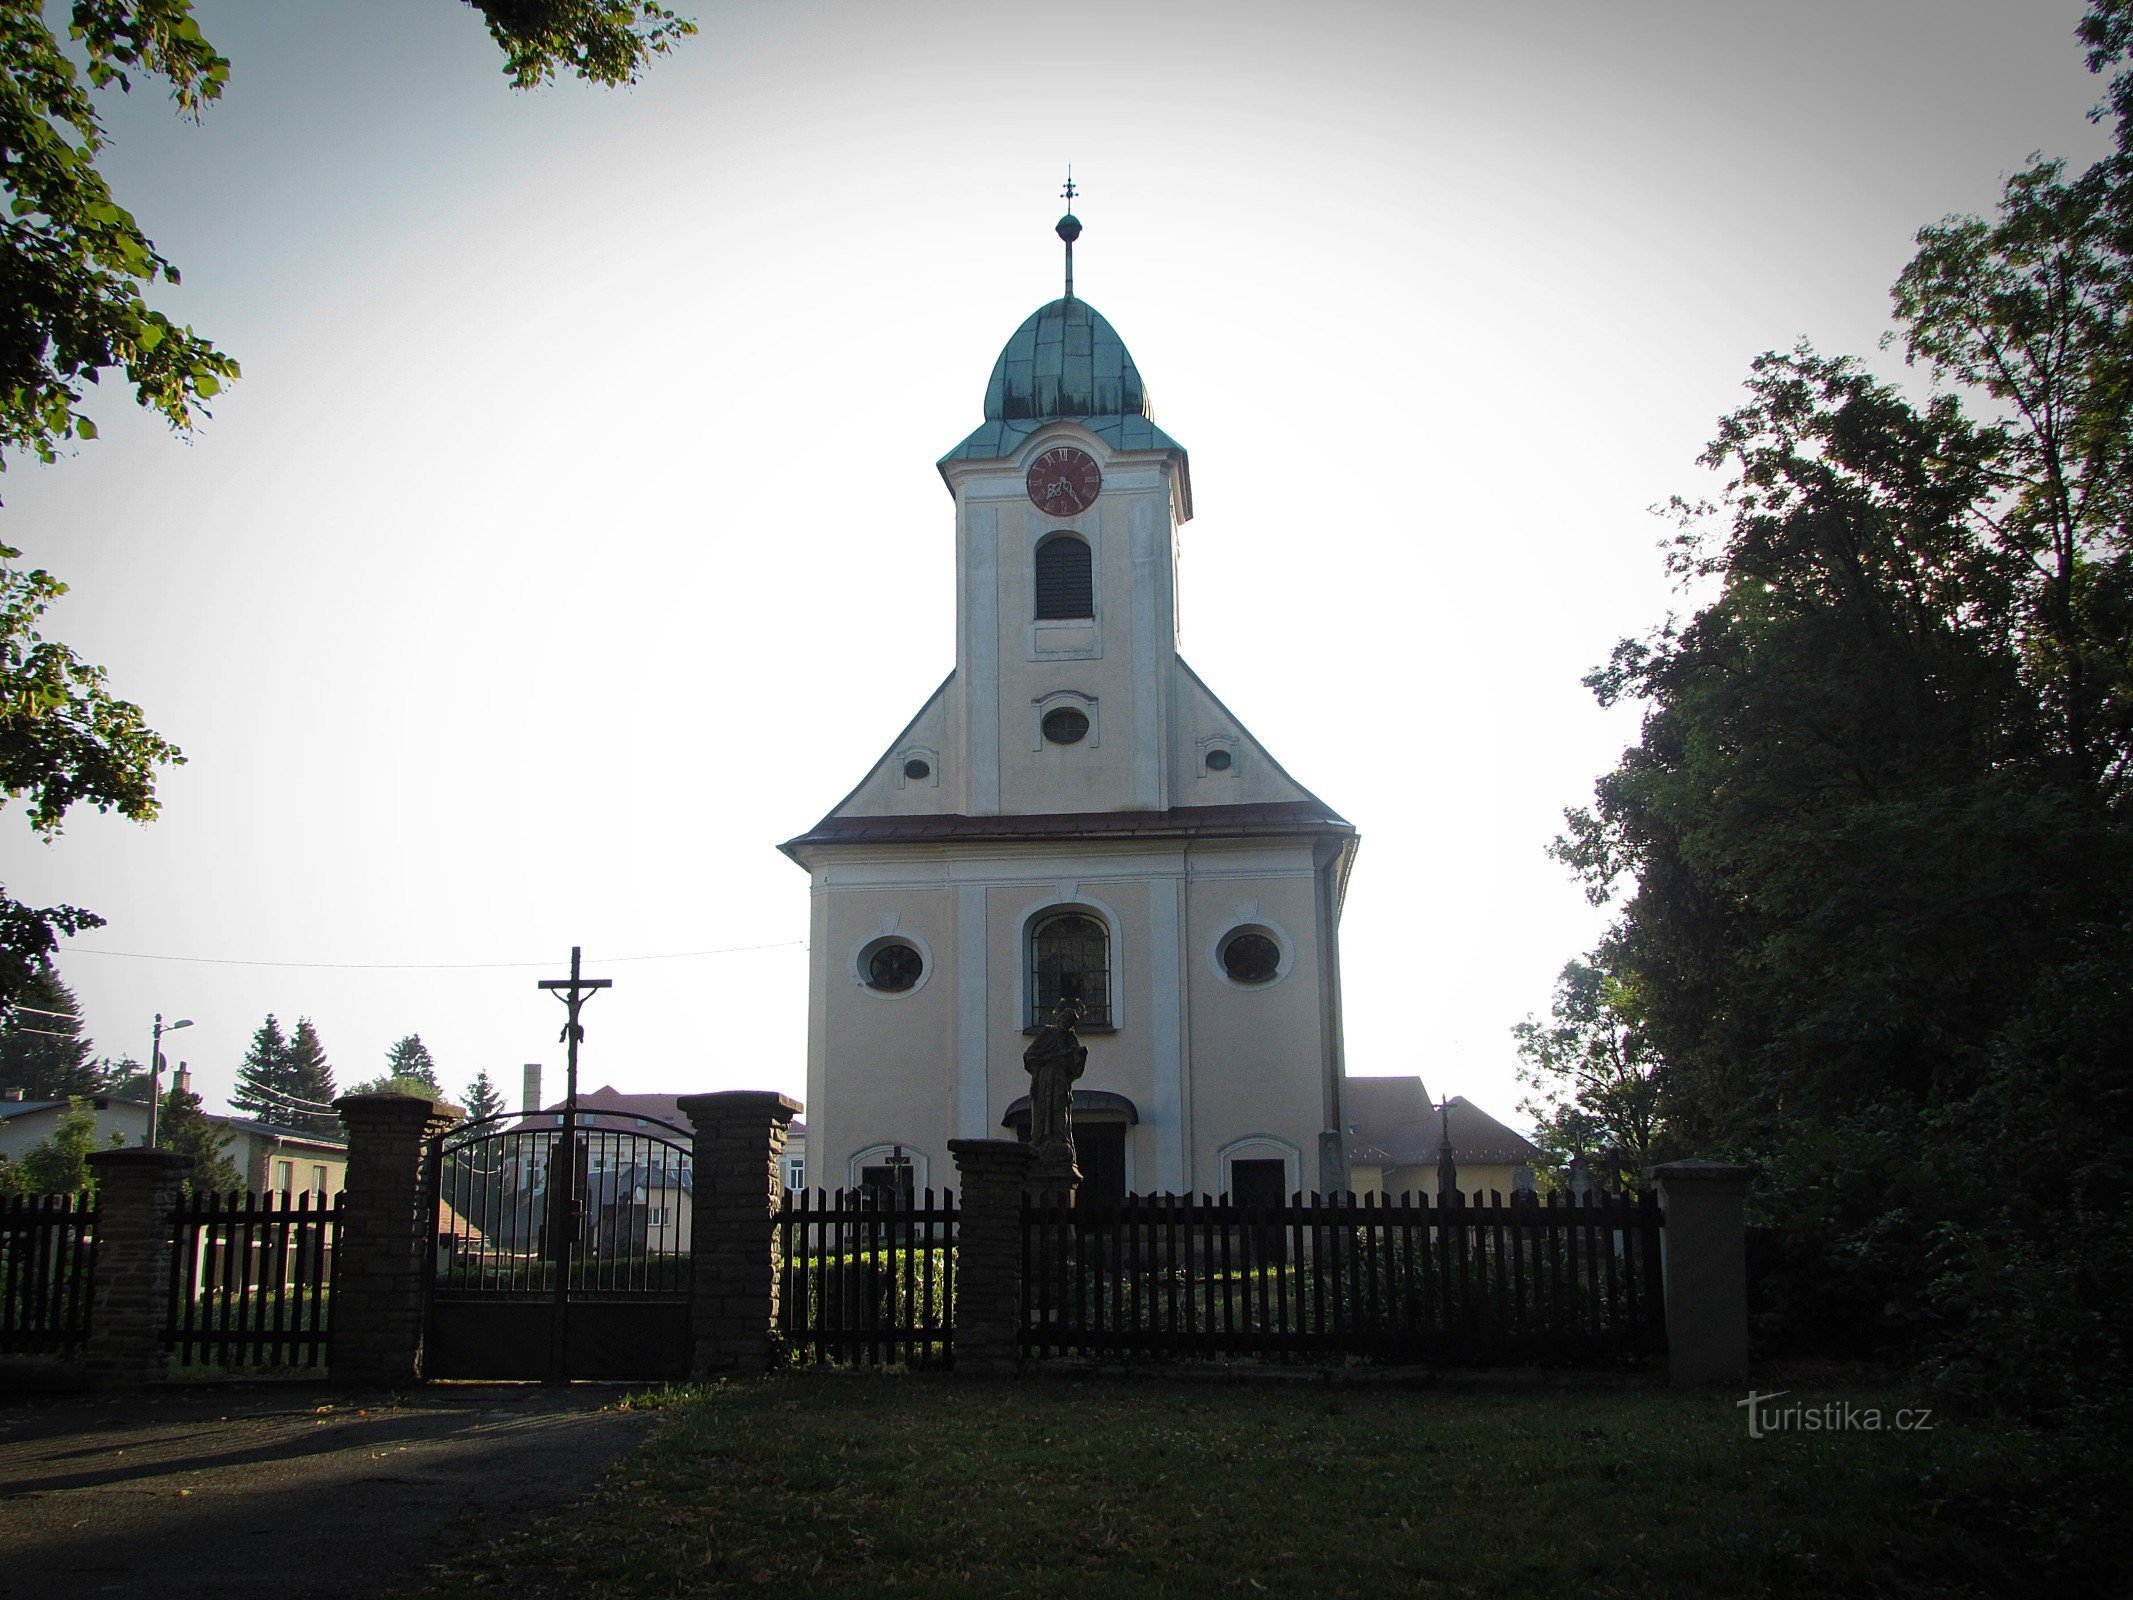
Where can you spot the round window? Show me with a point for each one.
(894, 967)
(1066, 726)
(917, 771)
(1218, 760)
(1251, 958)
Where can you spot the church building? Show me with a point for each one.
(1075, 813)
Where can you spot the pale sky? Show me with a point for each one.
(573, 536)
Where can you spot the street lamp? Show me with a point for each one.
(155, 1071)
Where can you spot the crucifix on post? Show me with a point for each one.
(565, 1209)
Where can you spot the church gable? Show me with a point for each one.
(910, 778)
(1216, 761)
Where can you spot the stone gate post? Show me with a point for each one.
(988, 1253)
(129, 1295)
(387, 1236)
(736, 1252)
(1703, 1255)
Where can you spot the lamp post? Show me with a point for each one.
(155, 1072)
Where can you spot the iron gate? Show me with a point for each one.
(562, 1248)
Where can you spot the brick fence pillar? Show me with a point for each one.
(387, 1235)
(988, 1253)
(129, 1295)
(733, 1232)
(1704, 1262)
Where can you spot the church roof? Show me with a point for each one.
(1065, 361)
(1285, 817)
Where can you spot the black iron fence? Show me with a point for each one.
(251, 1280)
(47, 1257)
(869, 1276)
(1403, 1280)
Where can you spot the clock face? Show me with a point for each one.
(1064, 481)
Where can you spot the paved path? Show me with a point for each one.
(288, 1491)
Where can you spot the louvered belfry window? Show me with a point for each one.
(1070, 956)
(1066, 588)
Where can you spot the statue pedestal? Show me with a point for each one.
(1054, 1179)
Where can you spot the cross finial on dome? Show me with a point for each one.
(1069, 230)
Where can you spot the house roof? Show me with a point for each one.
(1392, 1122)
(273, 1130)
(11, 1109)
(1284, 817)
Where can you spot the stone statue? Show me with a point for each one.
(1054, 1060)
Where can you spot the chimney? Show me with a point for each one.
(181, 1081)
(531, 1099)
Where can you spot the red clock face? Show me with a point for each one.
(1064, 481)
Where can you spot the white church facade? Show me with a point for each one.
(1074, 812)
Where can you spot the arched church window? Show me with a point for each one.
(1070, 959)
(1066, 587)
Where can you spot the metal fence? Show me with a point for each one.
(1337, 1276)
(869, 1276)
(251, 1280)
(47, 1258)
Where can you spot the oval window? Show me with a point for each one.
(916, 770)
(1218, 760)
(894, 967)
(1066, 726)
(1251, 958)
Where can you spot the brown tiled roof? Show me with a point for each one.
(1391, 1122)
(1179, 822)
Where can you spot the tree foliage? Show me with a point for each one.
(1872, 854)
(65, 740)
(601, 41)
(410, 1058)
(484, 1099)
(76, 278)
(60, 1163)
(184, 1128)
(1593, 1074)
(43, 1051)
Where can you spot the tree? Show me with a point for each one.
(483, 1098)
(1594, 1076)
(65, 739)
(1874, 846)
(263, 1077)
(60, 1163)
(43, 1051)
(310, 1080)
(76, 274)
(410, 1060)
(183, 1127)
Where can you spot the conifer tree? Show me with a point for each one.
(185, 1129)
(43, 1051)
(264, 1074)
(311, 1079)
(483, 1097)
(410, 1061)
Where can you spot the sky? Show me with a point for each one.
(573, 535)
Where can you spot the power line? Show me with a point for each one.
(423, 966)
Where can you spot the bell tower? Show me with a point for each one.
(1068, 500)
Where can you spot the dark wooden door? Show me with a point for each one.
(1256, 1187)
(1100, 1152)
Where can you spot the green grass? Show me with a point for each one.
(846, 1483)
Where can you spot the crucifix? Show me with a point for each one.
(574, 991)
(566, 1177)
